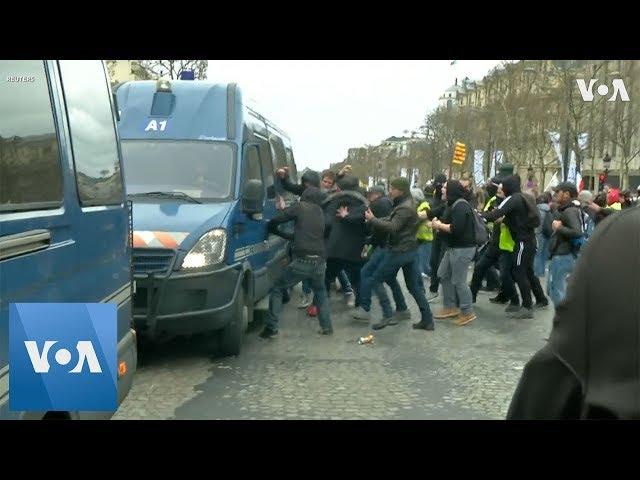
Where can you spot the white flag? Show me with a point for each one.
(555, 141)
(571, 174)
(478, 167)
(552, 183)
(403, 172)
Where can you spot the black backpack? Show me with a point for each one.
(479, 225)
(533, 215)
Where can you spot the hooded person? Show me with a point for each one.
(310, 178)
(457, 229)
(589, 367)
(307, 258)
(345, 231)
(521, 218)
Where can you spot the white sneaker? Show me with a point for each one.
(306, 300)
(351, 300)
(432, 296)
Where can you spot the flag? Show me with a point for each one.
(478, 167)
(552, 183)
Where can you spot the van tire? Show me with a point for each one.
(231, 335)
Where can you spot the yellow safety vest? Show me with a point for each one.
(506, 242)
(616, 206)
(488, 205)
(425, 233)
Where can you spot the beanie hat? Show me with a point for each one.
(401, 184)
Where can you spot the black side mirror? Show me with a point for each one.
(252, 197)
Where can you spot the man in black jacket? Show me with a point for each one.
(589, 367)
(437, 207)
(401, 226)
(308, 258)
(345, 232)
(518, 213)
(381, 207)
(563, 245)
(458, 231)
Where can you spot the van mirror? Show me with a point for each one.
(252, 197)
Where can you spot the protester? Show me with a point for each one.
(438, 206)
(521, 217)
(425, 232)
(565, 241)
(308, 259)
(543, 234)
(401, 226)
(381, 206)
(458, 230)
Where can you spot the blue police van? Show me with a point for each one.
(65, 232)
(199, 168)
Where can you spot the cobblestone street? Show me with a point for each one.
(453, 373)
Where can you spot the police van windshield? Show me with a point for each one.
(202, 170)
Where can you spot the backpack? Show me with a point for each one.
(577, 243)
(480, 228)
(533, 214)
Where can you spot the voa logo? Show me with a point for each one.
(40, 359)
(603, 90)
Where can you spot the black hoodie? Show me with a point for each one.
(515, 211)
(460, 218)
(590, 365)
(345, 236)
(308, 231)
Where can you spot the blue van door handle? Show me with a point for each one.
(23, 243)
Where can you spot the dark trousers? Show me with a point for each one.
(508, 285)
(524, 255)
(351, 268)
(377, 256)
(437, 252)
(487, 260)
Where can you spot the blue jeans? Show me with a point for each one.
(388, 267)
(306, 286)
(300, 268)
(542, 255)
(374, 261)
(424, 254)
(345, 284)
(560, 268)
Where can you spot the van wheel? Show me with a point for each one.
(231, 335)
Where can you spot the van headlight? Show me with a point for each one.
(209, 250)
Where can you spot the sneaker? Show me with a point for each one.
(542, 305)
(424, 275)
(465, 318)
(524, 313)
(403, 314)
(447, 313)
(432, 296)
(361, 314)
(423, 326)
(306, 300)
(268, 333)
(382, 323)
(312, 311)
(351, 300)
(498, 299)
(512, 308)
(326, 331)
(337, 285)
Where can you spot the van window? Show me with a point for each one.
(251, 164)
(30, 166)
(267, 169)
(93, 136)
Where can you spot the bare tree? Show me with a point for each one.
(154, 69)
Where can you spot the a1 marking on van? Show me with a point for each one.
(153, 125)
